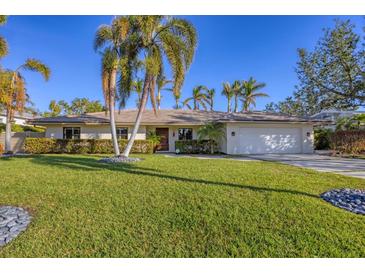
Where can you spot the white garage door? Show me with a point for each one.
(269, 140)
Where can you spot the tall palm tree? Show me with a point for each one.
(177, 99)
(117, 60)
(156, 37)
(161, 82)
(210, 95)
(199, 98)
(138, 87)
(250, 92)
(13, 95)
(237, 91)
(3, 43)
(228, 93)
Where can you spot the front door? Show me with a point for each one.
(164, 142)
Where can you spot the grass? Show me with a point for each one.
(177, 207)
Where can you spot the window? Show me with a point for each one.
(122, 133)
(71, 133)
(185, 134)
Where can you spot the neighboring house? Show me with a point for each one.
(246, 133)
(332, 115)
(19, 119)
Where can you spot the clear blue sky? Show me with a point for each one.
(229, 48)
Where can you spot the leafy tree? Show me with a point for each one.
(84, 105)
(237, 92)
(55, 109)
(199, 98)
(289, 106)
(213, 131)
(13, 95)
(228, 93)
(250, 92)
(210, 97)
(3, 43)
(137, 87)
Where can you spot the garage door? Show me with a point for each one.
(269, 140)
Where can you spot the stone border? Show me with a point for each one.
(352, 200)
(13, 221)
(116, 160)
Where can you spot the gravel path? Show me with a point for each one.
(13, 221)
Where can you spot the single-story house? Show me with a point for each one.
(19, 118)
(246, 133)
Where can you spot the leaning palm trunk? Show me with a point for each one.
(146, 86)
(113, 129)
(158, 99)
(8, 132)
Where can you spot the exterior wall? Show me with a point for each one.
(306, 141)
(17, 121)
(92, 131)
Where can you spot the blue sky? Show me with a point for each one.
(229, 48)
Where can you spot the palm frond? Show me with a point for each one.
(103, 36)
(3, 47)
(3, 19)
(37, 66)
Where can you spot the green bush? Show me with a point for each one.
(322, 138)
(351, 141)
(195, 146)
(83, 146)
(21, 128)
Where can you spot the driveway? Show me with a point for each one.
(343, 166)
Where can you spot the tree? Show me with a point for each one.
(3, 43)
(289, 106)
(161, 83)
(177, 99)
(55, 109)
(213, 131)
(159, 36)
(237, 91)
(13, 95)
(137, 87)
(210, 97)
(84, 105)
(117, 60)
(250, 92)
(228, 93)
(335, 70)
(199, 98)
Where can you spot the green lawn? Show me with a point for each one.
(177, 207)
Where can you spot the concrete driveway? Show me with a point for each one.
(343, 166)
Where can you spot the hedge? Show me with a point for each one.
(351, 141)
(322, 138)
(195, 146)
(82, 146)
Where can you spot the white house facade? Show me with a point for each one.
(245, 133)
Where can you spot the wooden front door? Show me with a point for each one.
(164, 142)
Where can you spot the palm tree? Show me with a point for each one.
(228, 93)
(137, 87)
(177, 99)
(237, 92)
(250, 93)
(3, 44)
(117, 59)
(156, 37)
(213, 131)
(13, 95)
(210, 95)
(199, 98)
(161, 83)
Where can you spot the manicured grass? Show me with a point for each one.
(177, 207)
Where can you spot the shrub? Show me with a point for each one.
(351, 141)
(21, 128)
(82, 146)
(322, 138)
(1, 149)
(195, 146)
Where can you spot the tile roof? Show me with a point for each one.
(171, 117)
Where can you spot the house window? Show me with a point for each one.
(185, 134)
(122, 133)
(71, 133)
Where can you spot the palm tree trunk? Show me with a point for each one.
(211, 104)
(211, 147)
(195, 105)
(142, 106)
(229, 104)
(235, 103)
(112, 90)
(158, 99)
(8, 132)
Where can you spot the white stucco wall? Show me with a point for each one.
(92, 131)
(17, 121)
(233, 142)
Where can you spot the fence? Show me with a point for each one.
(18, 138)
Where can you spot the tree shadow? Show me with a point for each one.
(92, 164)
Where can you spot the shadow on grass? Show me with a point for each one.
(92, 164)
